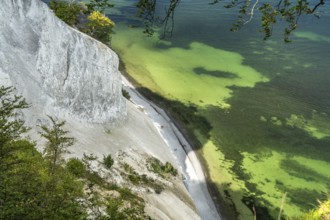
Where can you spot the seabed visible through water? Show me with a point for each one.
(267, 102)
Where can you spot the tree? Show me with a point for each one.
(74, 14)
(76, 167)
(30, 192)
(13, 194)
(67, 11)
(11, 126)
(271, 12)
(100, 27)
(57, 143)
(288, 11)
(27, 190)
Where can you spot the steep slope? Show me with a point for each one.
(58, 70)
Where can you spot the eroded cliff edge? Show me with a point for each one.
(59, 70)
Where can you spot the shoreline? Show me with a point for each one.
(224, 210)
(189, 159)
(194, 145)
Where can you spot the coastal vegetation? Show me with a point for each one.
(75, 14)
(108, 161)
(32, 186)
(271, 13)
(141, 179)
(46, 186)
(161, 169)
(99, 27)
(279, 11)
(66, 11)
(126, 94)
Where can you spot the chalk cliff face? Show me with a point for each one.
(59, 70)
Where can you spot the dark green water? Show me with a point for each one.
(268, 102)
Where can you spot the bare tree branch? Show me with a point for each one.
(316, 6)
(252, 12)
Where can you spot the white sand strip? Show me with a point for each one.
(188, 162)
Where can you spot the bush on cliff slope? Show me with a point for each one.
(66, 11)
(85, 17)
(33, 186)
(100, 27)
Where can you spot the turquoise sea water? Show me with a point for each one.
(268, 102)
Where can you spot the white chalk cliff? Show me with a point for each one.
(59, 70)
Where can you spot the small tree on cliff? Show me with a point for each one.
(11, 127)
(100, 27)
(57, 143)
(67, 11)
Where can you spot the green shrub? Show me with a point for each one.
(158, 167)
(168, 168)
(127, 194)
(134, 178)
(126, 94)
(113, 209)
(155, 166)
(94, 178)
(128, 168)
(108, 161)
(76, 167)
(100, 27)
(127, 206)
(143, 179)
(66, 11)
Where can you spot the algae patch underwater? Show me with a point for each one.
(249, 100)
(171, 71)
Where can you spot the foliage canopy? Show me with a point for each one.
(108, 161)
(66, 11)
(57, 143)
(271, 12)
(27, 190)
(33, 186)
(288, 11)
(99, 26)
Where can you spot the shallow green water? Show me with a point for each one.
(268, 102)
